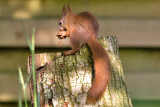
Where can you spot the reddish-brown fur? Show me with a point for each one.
(83, 29)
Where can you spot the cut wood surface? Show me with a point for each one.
(65, 80)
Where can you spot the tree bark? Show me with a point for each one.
(63, 81)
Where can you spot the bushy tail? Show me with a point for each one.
(102, 69)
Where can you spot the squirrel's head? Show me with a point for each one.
(65, 20)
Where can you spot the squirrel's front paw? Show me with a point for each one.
(66, 53)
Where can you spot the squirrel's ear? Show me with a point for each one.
(69, 9)
(64, 10)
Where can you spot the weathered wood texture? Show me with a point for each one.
(146, 70)
(134, 22)
(65, 80)
(49, 8)
(130, 32)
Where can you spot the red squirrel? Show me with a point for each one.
(82, 29)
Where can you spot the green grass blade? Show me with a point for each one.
(20, 98)
(28, 78)
(27, 37)
(23, 86)
(21, 77)
(33, 40)
(33, 68)
(32, 49)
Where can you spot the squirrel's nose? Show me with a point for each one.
(62, 28)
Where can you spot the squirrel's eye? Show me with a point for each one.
(60, 23)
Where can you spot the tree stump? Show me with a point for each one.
(63, 81)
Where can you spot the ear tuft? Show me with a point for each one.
(64, 10)
(69, 8)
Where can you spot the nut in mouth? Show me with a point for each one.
(61, 37)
